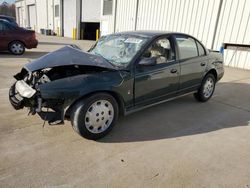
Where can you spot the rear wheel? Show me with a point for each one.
(95, 116)
(17, 48)
(206, 89)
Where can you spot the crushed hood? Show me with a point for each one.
(68, 55)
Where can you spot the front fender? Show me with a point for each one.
(71, 88)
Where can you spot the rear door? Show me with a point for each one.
(192, 62)
(160, 81)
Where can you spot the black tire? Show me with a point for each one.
(16, 48)
(79, 111)
(200, 95)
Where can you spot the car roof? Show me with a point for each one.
(5, 16)
(3, 20)
(8, 18)
(151, 34)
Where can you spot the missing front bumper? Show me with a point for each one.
(55, 117)
(55, 111)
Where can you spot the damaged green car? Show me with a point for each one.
(120, 74)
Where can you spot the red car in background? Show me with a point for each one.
(15, 39)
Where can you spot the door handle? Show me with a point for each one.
(173, 71)
(203, 64)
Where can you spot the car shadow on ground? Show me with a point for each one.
(185, 116)
(27, 54)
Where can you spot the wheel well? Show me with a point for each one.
(117, 97)
(213, 71)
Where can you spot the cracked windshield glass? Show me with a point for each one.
(118, 50)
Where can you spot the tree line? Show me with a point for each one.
(8, 9)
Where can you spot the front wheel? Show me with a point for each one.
(95, 116)
(206, 89)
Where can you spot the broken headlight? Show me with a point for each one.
(24, 89)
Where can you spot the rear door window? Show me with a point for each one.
(187, 47)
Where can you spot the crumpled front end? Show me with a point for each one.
(47, 85)
(25, 92)
(49, 91)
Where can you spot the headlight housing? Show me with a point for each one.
(24, 89)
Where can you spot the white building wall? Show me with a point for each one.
(234, 27)
(195, 17)
(23, 15)
(44, 14)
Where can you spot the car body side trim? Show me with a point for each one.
(156, 103)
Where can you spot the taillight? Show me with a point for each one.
(34, 35)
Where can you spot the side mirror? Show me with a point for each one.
(148, 61)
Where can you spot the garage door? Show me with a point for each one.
(32, 16)
(69, 17)
(91, 14)
(20, 16)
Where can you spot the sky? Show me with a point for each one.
(8, 1)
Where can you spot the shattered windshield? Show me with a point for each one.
(118, 49)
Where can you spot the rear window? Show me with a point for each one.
(187, 47)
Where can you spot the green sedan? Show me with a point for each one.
(120, 74)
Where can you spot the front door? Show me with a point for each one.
(157, 81)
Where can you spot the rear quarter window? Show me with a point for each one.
(201, 50)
